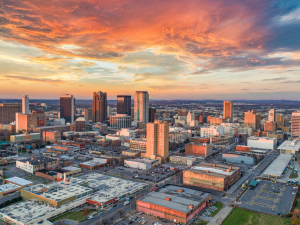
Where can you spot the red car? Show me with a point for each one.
(130, 222)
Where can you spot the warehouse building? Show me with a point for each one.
(198, 149)
(278, 166)
(108, 189)
(94, 164)
(131, 153)
(212, 176)
(141, 163)
(174, 203)
(18, 181)
(56, 194)
(262, 142)
(239, 158)
(289, 147)
(35, 213)
(189, 161)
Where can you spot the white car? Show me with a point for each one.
(90, 217)
(126, 203)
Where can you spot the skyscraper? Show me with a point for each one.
(88, 114)
(25, 104)
(141, 106)
(252, 119)
(67, 108)
(124, 104)
(152, 115)
(99, 106)
(158, 140)
(8, 112)
(295, 129)
(227, 111)
(271, 115)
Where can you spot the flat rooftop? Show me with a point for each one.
(8, 187)
(95, 162)
(109, 187)
(59, 191)
(19, 181)
(179, 201)
(27, 211)
(290, 145)
(38, 160)
(71, 168)
(220, 169)
(277, 167)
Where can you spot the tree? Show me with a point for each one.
(121, 212)
(105, 221)
(86, 212)
(295, 221)
(111, 218)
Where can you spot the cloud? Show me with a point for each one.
(39, 80)
(275, 79)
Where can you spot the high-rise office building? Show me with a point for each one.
(182, 112)
(252, 119)
(295, 129)
(25, 104)
(141, 106)
(88, 114)
(227, 111)
(158, 140)
(8, 112)
(152, 115)
(279, 119)
(99, 106)
(271, 115)
(124, 104)
(67, 108)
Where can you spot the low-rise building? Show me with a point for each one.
(18, 138)
(223, 141)
(127, 133)
(290, 147)
(109, 190)
(138, 144)
(51, 136)
(201, 149)
(212, 176)
(131, 153)
(36, 163)
(56, 194)
(174, 203)
(141, 163)
(182, 160)
(262, 142)
(212, 131)
(239, 158)
(96, 163)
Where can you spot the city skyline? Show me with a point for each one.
(209, 50)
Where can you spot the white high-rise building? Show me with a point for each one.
(141, 106)
(271, 115)
(25, 104)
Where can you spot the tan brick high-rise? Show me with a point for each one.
(252, 119)
(227, 111)
(157, 140)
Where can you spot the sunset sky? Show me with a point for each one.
(188, 49)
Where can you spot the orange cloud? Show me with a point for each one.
(110, 29)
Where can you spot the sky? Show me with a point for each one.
(209, 49)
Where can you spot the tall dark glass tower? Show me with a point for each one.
(124, 104)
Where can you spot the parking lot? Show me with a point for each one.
(268, 197)
(143, 217)
(156, 174)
